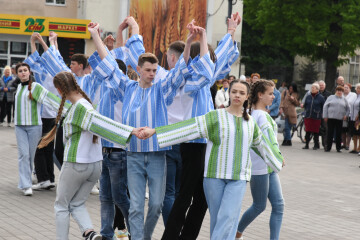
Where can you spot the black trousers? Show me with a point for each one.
(59, 143)
(44, 163)
(190, 206)
(5, 110)
(119, 220)
(334, 126)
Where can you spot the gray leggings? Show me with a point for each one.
(75, 183)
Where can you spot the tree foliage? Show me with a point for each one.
(269, 62)
(322, 29)
(308, 73)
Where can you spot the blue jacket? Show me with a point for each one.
(314, 106)
(274, 108)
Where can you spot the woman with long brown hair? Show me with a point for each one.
(82, 166)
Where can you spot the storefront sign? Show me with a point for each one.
(26, 25)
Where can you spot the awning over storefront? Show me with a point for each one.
(26, 25)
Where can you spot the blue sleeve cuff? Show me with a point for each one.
(132, 39)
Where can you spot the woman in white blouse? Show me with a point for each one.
(222, 96)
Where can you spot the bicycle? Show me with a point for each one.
(299, 127)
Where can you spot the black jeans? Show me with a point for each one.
(44, 163)
(5, 110)
(190, 206)
(334, 125)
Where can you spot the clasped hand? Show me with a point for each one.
(143, 132)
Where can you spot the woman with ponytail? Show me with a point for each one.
(265, 182)
(81, 169)
(231, 132)
(28, 125)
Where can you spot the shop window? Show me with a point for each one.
(16, 60)
(18, 48)
(56, 2)
(4, 47)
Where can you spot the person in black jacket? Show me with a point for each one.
(313, 113)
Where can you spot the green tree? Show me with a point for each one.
(322, 29)
(308, 73)
(269, 62)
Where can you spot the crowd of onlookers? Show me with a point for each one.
(329, 115)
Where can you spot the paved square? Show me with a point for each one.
(321, 191)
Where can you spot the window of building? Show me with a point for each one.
(13, 52)
(354, 69)
(55, 2)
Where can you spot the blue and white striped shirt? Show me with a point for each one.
(195, 82)
(53, 63)
(146, 107)
(109, 103)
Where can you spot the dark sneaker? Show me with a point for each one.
(93, 236)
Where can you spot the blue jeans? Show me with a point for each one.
(27, 138)
(173, 179)
(143, 167)
(264, 187)
(287, 129)
(113, 189)
(224, 198)
(75, 183)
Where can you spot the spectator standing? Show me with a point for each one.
(283, 87)
(254, 77)
(222, 96)
(345, 131)
(336, 109)
(313, 112)
(273, 109)
(6, 95)
(289, 102)
(354, 110)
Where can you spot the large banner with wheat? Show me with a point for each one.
(163, 21)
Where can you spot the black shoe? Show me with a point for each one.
(286, 143)
(306, 147)
(327, 150)
(346, 148)
(315, 148)
(339, 150)
(354, 151)
(92, 236)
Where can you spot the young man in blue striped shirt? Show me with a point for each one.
(145, 105)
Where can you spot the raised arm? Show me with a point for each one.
(52, 60)
(108, 70)
(119, 35)
(227, 51)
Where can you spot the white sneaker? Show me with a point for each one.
(9, 124)
(27, 191)
(43, 185)
(94, 191)
(146, 195)
(240, 238)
